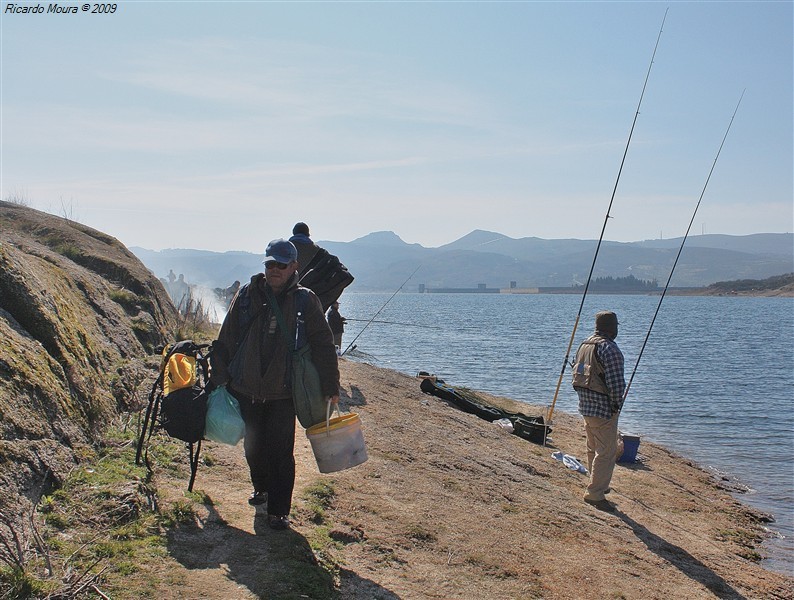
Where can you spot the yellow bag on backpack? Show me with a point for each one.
(179, 372)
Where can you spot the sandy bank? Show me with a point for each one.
(450, 506)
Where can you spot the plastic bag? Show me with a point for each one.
(307, 394)
(224, 422)
(505, 424)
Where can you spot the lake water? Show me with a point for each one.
(714, 384)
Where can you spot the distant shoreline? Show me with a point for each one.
(786, 292)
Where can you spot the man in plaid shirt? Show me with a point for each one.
(599, 381)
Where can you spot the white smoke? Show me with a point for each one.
(211, 305)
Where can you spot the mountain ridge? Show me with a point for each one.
(381, 260)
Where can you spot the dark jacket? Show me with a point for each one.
(251, 354)
(306, 250)
(336, 321)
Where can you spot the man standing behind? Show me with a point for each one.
(337, 324)
(599, 381)
(252, 358)
(305, 246)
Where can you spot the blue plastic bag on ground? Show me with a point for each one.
(224, 423)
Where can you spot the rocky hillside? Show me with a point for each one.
(79, 318)
(782, 285)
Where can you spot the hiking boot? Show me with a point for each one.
(278, 522)
(257, 498)
(603, 505)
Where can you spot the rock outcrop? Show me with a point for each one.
(80, 317)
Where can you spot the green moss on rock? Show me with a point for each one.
(79, 315)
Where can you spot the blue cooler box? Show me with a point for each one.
(631, 443)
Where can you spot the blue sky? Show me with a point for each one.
(218, 125)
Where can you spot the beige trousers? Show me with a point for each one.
(602, 446)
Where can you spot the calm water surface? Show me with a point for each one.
(714, 383)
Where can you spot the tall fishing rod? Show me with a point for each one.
(380, 309)
(680, 249)
(606, 220)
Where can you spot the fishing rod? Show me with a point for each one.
(681, 248)
(398, 323)
(606, 220)
(381, 308)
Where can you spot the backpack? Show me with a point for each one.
(246, 312)
(327, 277)
(178, 401)
(588, 372)
(303, 376)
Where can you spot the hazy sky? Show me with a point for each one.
(218, 125)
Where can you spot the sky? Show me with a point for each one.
(219, 125)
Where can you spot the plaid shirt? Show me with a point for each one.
(593, 404)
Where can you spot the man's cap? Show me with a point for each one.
(607, 321)
(281, 251)
(300, 228)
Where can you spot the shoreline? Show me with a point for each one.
(775, 558)
(787, 292)
(779, 558)
(449, 505)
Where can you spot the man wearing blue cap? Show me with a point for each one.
(251, 357)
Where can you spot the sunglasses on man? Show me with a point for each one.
(274, 264)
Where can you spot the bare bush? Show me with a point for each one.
(18, 197)
(195, 317)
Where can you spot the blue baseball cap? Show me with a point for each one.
(281, 251)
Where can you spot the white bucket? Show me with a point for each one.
(338, 444)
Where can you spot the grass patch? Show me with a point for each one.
(69, 250)
(142, 327)
(199, 497)
(181, 513)
(420, 535)
(318, 497)
(208, 459)
(17, 584)
(169, 455)
(745, 539)
(96, 529)
(126, 299)
(104, 529)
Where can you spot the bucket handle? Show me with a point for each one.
(328, 411)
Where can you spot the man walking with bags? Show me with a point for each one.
(253, 359)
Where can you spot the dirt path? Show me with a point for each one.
(449, 506)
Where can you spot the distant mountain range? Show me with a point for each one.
(382, 261)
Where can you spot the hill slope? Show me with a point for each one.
(79, 315)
